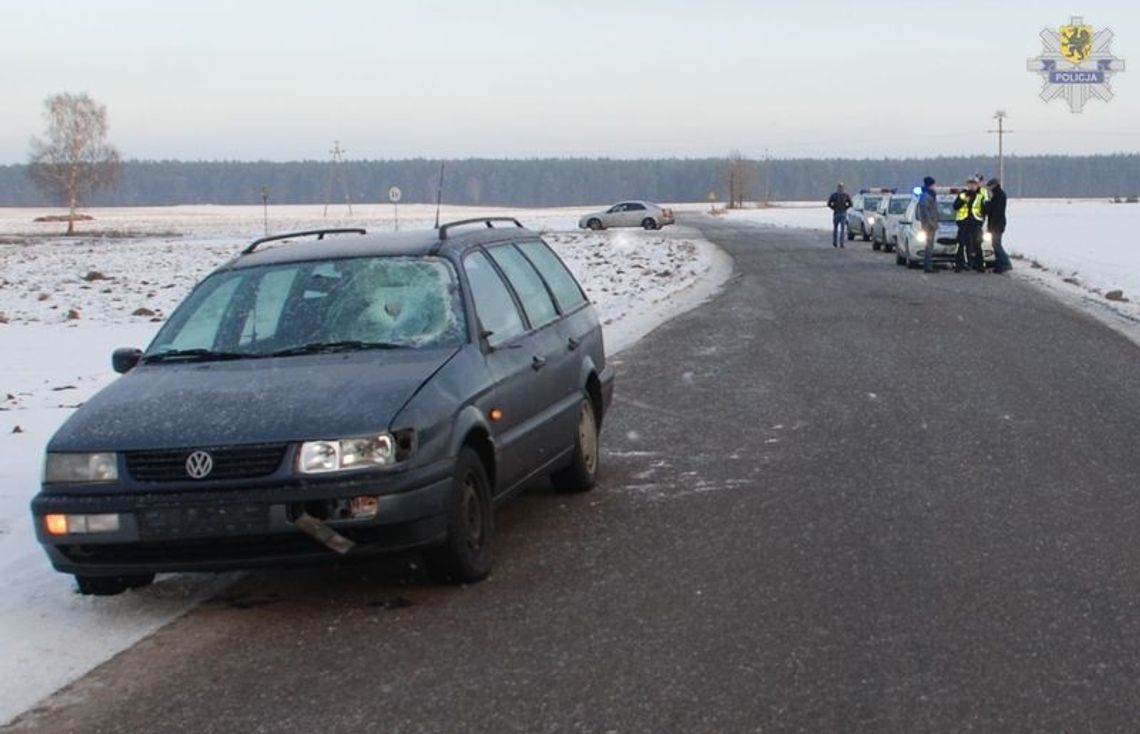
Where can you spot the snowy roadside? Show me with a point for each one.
(1078, 251)
(120, 288)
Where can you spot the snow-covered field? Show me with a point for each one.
(66, 303)
(1079, 250)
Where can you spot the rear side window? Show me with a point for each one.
(493, 303)
(635, 207)
(527, 284)
(566, 290)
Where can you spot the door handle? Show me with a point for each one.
(537, 363)
(573, 344)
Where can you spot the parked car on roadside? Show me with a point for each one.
(886, 228)
(912, 240)
(333, 397)
(864, 211)
(644, 214)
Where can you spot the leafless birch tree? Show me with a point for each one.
(74, 159)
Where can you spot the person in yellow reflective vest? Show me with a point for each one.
(969, 213)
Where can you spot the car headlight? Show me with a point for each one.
(870, 220)
(921, 237)
(78, 468)
(988, 237)
(321, 457)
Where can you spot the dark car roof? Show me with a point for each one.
(417, 243)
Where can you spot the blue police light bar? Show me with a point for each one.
(918, 191)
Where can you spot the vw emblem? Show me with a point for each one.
(199, 465)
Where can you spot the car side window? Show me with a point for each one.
(616, 208)
(566, 289)
(635, 207)
(540, 310)
(494, 306)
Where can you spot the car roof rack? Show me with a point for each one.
(477, 220)
(318, 233)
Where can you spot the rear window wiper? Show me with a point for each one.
(196, 354)
(337, 346)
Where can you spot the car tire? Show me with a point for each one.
(595, 224)
(582, 474)
(465, 555)
(111, 585)
(899, 258)
(875, 244)
(649, 223)
(866, 237)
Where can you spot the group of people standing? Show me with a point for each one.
(980, 206)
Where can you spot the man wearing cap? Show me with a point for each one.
(995, 223)
(839, 202)
(927, 213)
(968, 208)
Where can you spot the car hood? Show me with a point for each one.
(176, 405)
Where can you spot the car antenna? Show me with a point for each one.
(439, 194)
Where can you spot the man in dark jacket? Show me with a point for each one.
(995, 224)
(839, 202)
(927, 214)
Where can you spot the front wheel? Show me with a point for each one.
(582, 474)
(594, 224)
(649, 223)
(465, 556)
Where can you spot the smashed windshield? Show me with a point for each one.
(899, 205)
(295, 308)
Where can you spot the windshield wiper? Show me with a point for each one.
(196, 354)
(338, 346)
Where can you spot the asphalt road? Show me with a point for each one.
(841, 496)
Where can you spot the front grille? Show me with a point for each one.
(229, 462)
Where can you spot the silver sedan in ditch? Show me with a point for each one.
(644, 214)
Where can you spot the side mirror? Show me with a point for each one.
(124, 360)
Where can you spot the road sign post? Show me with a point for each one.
(394, 195)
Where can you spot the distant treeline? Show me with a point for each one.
(573, 181)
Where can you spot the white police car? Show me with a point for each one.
(912, 240)
(864, 212)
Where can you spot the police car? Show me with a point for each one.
(885, 231)
(864, 212)
(912, 240)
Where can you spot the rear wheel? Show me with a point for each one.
(465, 556)
(594, 224)
(112, 585)
(582, 474)
(649, 223)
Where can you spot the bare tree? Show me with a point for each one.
(75, 159)
(738, 174)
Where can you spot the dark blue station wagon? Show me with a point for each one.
(334, 393)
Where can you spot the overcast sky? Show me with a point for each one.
(281, 80)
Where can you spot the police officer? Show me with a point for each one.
(995, 224)
(928, 219)
(839, 202)
(969, 214)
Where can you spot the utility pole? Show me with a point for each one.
(767, 176)
(1001, 133)
(336, 171)
(265, 206)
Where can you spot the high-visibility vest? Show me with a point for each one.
(974, 210)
